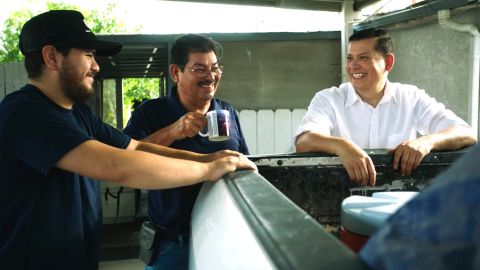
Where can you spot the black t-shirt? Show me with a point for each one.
(49, 218)
(171, 208)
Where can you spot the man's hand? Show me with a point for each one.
(409, 154)
(188, 126)
(221, 154)
(358, 164)
(224, 165)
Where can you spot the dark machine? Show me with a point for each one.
(318, 183)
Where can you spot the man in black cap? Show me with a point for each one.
(52, 146)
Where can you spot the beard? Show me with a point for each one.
(72, 85)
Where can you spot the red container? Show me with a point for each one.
(352, 240)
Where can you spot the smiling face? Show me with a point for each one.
(366, 67)
(193, 88)
(76, 74)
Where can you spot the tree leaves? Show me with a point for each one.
(100, 21)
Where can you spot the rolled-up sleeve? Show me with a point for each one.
(319, 118)
(433, 117)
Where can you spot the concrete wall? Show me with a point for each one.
(436, 59)
(278, 74)
(286, 74)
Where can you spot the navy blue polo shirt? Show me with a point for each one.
(171, 208)
(49, 218)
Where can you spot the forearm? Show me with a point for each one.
(162, 136)
(358, 164)
(170, 152)
(150, 171)
(315, 142)
(137, 169)
(451, 138)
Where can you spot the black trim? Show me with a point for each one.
(378, 156)
(161, 40)
(291, 238)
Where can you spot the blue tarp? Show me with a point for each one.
(438, 229)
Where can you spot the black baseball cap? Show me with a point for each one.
(62, 29)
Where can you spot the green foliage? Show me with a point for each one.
(137, 90)
(60, 5)
(9, 51)
(140, 89)
(105, 22)
(108, 103)
(99, 21)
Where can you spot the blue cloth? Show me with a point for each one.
(438, 229)
(172, 256)
(171, 208)
(49, 218)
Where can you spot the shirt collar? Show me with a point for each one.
(388, 95)
(352, 96)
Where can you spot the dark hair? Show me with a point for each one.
(384, 40)
(189, 43)
(34, 62)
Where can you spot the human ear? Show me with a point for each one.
(173, 69)
(389, 61)
(49, 54)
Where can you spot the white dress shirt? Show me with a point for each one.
(403, 111)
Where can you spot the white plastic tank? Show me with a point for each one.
(361, 216)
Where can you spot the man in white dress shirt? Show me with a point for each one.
(371, 112)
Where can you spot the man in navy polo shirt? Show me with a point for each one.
(175, 121)
(52, 146)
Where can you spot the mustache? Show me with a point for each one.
(92, 74)
(206, 82)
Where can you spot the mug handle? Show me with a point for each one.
(204, 134)
(209, 130)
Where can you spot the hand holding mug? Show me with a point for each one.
(218, 125)
(188, 125)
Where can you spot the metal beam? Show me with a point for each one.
(426, 9)
(319, 5)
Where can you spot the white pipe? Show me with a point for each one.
(445, 22)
